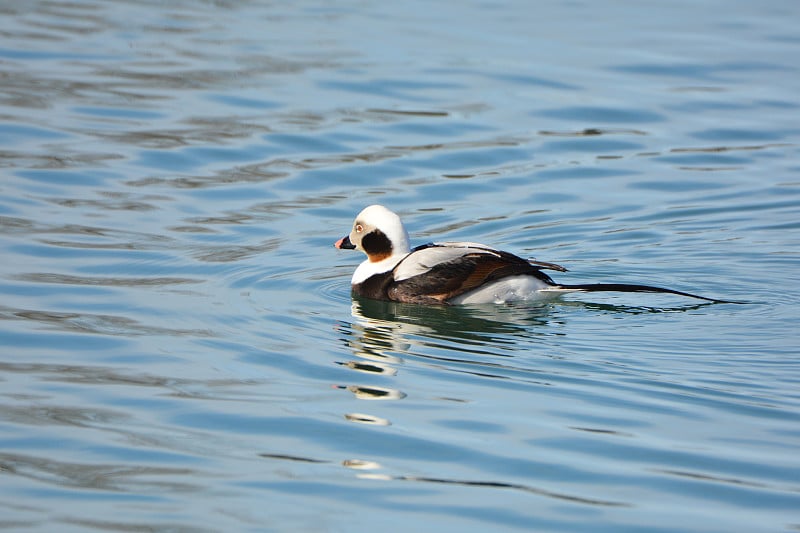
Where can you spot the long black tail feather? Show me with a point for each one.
(627, 287)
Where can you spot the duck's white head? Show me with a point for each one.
(379, 233)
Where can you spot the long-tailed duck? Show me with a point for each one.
(452, 272)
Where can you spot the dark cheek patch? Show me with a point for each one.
(377, 245)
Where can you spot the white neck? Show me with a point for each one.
(368, 269)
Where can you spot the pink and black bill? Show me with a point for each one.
(344, 243)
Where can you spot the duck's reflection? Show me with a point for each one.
(367, 419)
(387, 326)
(382, 332)
(382, 335)
(373, 393)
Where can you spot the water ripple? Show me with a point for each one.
(66, 279)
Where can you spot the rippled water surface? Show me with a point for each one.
(178, 346)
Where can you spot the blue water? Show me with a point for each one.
(178, 346)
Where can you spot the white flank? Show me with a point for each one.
(510, 289)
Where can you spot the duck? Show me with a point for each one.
(454, 273)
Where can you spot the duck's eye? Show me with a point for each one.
(359, 228)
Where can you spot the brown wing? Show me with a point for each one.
(452, 278)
